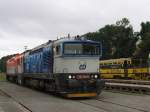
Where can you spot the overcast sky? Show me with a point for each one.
(33, 22)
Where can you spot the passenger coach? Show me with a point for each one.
(68, 66)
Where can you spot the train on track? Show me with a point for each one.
(68, 66)
(125, 68)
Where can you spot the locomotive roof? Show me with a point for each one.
(62, 41)
(74, 40)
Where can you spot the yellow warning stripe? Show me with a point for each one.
(71, 95)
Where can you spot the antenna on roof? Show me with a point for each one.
(69, 35)
(25, 48)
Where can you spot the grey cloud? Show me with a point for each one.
(31, 22)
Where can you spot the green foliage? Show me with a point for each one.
(2, 77)
(144, 46)
(124, 22)
(145, 30)
(3, 61)
(118, 39)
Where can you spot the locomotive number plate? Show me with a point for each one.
(83, 76)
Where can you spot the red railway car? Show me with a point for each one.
(15, 67)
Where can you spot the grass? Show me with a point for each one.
(2, 77)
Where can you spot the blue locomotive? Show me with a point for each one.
(69, 66)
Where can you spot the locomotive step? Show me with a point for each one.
(134, 88)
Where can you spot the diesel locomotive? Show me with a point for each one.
(68, 66)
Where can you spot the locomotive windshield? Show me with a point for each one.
(81, 49)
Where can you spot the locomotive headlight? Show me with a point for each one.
(92, 76)
(96, 76)
(73, 77)
(69, 76)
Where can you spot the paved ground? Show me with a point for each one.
(22, 99)
(7, 104)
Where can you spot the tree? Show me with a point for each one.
(124, 22)
(118, 39)
(3, 61)
(144, 46)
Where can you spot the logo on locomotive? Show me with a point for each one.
(82, 67)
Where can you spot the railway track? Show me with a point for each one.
(106, 102)
(139, 82)
(110, 106)
(97, 103)
(134, 86)
(116, 106)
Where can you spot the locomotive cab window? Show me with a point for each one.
(81, 49)
(57, 50)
